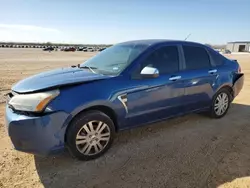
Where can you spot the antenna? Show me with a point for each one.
(187, 36)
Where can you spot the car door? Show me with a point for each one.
(199, 77)
(156, 98)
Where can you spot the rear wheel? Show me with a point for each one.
(220, 104)
(90, 135)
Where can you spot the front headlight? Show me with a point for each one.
(35, 102)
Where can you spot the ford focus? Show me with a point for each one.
(125, 86)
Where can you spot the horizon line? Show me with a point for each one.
(58, 43)
(50, 43)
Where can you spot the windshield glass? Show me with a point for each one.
(115, 59)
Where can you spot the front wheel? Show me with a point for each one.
(90, 135)
(220, 104)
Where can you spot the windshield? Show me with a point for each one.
(115, 59)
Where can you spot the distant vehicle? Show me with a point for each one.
(101, 49)
(90, 49)
(70, 49)
(48, 49)
(81, 48)
(127, 85)
(225, 51)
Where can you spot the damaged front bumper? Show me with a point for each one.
(41, 135)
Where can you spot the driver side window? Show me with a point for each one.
(165, 59)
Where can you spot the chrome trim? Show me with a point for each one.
(150, 71)
(123, 101)
(130, 90)
(174, 78)
(212, 71)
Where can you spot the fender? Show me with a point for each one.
(117, 108)
(81, 108)
(223, 80)
(228, 84)
(238, 83)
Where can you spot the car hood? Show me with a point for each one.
(56, 78)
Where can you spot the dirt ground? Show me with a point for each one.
(191, 151)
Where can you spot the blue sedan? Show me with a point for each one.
(127, 85)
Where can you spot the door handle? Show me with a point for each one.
(212, 71)
(174, 78)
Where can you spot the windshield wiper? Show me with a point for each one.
(86, 67)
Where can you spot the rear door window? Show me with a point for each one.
(196, 57)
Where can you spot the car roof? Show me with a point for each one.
(150, 42)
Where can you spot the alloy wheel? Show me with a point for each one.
(221, 104)
(93, 137)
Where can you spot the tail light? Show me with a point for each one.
(239, 69)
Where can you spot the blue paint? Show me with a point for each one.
(58, 77)
(36, 134)
(148, 100)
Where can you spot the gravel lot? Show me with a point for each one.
(191, 151)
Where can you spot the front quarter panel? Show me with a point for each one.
(77, 98)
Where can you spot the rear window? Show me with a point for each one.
(218, 59)
(196, 57)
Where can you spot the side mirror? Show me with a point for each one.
(149, 72)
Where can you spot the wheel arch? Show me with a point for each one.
(102, 108)
(229, 87)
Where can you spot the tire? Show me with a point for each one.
(90, 135)
(215, 111)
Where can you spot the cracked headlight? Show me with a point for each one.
(34, 102)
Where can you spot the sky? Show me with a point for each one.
(113, 21)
